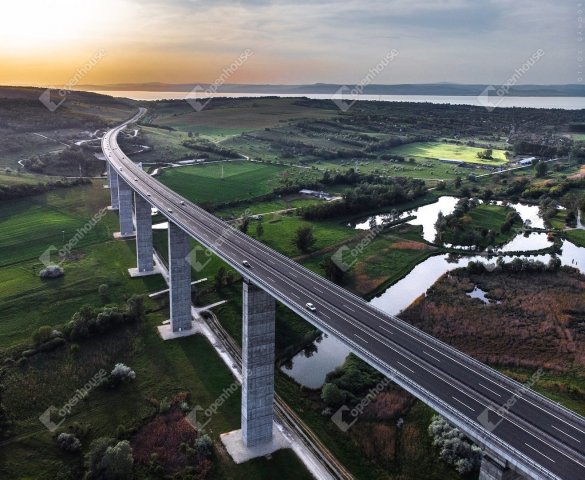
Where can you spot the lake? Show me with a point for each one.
(565, 103)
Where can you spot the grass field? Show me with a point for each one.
(241, 180)
(221, 121)
(448, 151)
(163, 368)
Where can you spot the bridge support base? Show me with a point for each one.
(144, 250)
(495, 469)
(113, 185)
(179, 279)
(125, 210)
(234, 445)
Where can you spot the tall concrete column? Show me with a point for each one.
(257, 365)
(144, 261)
(179, 278)
(493, 468)
(113, 183)
(125, 209)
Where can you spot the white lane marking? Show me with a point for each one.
(296, 276)
(325, 315)
(402, 364)
(293, 293)
(432, 356)
(317, 290)
(489, 389)
(385, 329)
(362, 339)
(565, 433)
(539, 452)
(463, 403)
(349, 308)
(367, 309)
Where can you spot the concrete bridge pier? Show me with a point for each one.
(125, 210)
(257, 365)
(179, 279)
(113, 183)
(493, 468)
(144, 250)
(258, 435)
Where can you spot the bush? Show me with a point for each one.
(455, 449)
(107, 461)
(52, 271)
(68, 442)
(332, 395)
(43, 334)
(120, 374)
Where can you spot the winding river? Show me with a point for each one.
(330, 353)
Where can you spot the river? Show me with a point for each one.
(330, 352)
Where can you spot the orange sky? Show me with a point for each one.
(46, 42)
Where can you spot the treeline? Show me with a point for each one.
(19, 190)
(518, 265)
(206, 148)
(368, 196)
(72, 161)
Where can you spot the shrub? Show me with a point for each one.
(43, 334)
(120, 374)
(68, 442)
(107, 461)
(332, 395)
(455, 449)
(52, 271)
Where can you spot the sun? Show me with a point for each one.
(27, 25)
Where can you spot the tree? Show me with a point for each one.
(43, 334)
(220, 278)
(244, 224)
(304, 238)
(486, 154)
(117, 462)
(332, 395)
(332, 271)
(135, 307)
(541, 169)
(259, 229)
(457, 181)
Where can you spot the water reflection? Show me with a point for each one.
(331, 353)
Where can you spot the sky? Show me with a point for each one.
(63, 42)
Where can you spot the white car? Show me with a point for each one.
(311, 307)
(246, 264)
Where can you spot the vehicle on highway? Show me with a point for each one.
(182, 203)
(311, 307)
(169, 210)
(246, 264)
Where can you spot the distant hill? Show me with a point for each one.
(450, 89)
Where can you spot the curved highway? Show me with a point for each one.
(537, 436)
